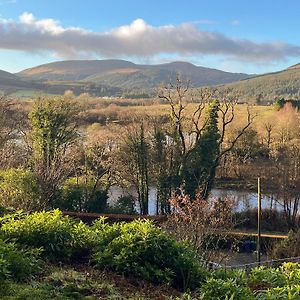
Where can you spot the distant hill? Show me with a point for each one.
(120, 77)
(127, 75)
(74, 70)
(284, 83)
(10, 82)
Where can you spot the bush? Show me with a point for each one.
(15, 263)
(271, 219)
(282, 282)
(267, 277)
(79, 196)
(215, 289)
(19, 189)
(281, 293)
(124, 205)
(289, 247)
(239, 275)
(292, 272)
(145, 251)
(60, 237)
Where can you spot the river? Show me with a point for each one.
(244, 200)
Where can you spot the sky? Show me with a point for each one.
(256, 36)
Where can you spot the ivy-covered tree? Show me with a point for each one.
(53, 132)
(201, 165)
(200, 138)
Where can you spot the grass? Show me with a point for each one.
(66, 282)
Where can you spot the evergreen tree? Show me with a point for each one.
(201, 164)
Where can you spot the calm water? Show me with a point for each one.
(244, 200)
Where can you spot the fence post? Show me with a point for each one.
(258, 220)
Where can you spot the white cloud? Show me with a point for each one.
(137, 39)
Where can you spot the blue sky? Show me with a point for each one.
(239, 36)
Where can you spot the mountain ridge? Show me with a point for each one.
(120, 77)
(100, 71)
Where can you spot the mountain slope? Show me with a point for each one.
(145, 77)
(127, 75)
(74, 69)
(284, 83)
(10, 82)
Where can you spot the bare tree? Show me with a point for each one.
(204, 224)
(187, 107)
(285, 179)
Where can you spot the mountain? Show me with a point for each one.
(127, 75)
(285, 83)
(74, 70)
(119, 77)
(10, 82)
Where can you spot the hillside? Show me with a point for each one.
(147, 77)
(127, 75)
(117, 77)
(284, 83)
(10, 82)
(73, 70)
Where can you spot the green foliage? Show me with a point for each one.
(19, 189)
(281, 283)
(238, 275)
(280, 103)
(200, 168)
(53, 126)
(215, 289)
(124, 205)
(267, 277)
(281, 293)
(16, 262)
(53, 130)
(273, 85)
(145, 251)
(80, 196)
(75, 285)
(60, 237)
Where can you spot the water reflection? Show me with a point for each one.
(244, 200)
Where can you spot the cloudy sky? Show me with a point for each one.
(238, 36)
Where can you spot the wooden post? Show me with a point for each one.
(258, 220)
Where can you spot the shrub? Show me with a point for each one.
(289, 247)
(282, 283)
(124, 205)
(281, 293)
(81, 197)
(268, 277)
(271, 219)
(19, 189)
(197, 221)
(60, 237)
(143, 250)
(16, 263)
(215, 289)
(239, 275)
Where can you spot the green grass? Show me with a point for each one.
(64, 283)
